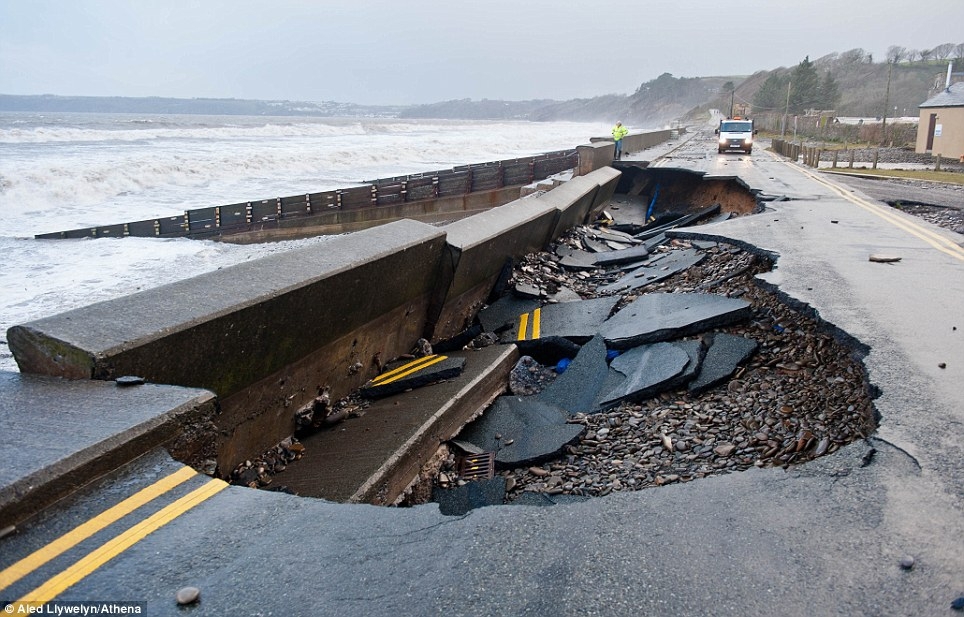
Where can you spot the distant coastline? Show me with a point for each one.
(50, 103)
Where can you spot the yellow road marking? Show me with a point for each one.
(114, 547)
(523, 326)
(941, 243)
(536, 323)
(418, 366)
(78, 534)
(408, 365)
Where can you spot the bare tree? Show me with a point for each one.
(925, 54)
(943, 51)
(853, 56)
(959, 51)
(896, 53)
(911, 54)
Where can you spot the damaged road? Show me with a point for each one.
(675, 384)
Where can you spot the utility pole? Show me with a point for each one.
(786, 110)
(732, 92)
(883, 125)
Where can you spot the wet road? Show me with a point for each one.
(823, 539)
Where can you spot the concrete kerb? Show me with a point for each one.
(105, 426)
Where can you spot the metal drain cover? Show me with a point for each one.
(477, 466)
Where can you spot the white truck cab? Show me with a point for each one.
(736, 134)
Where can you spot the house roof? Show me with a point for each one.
(950, 97)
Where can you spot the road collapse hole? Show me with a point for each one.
(645, 195)
(802, 394)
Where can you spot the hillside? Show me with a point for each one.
(859, 89)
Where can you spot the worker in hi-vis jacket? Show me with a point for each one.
(619, 131)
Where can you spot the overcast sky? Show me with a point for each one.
(421, 51)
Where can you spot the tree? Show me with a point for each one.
(772, 94)
(959, 51)
(943, 51)
(854, 56)
(804, 86)
(829, 92)
(925, 55)
(895, 53)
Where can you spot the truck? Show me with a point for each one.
(736, 134)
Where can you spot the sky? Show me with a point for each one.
(403, 52)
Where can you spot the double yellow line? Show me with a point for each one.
(407, 369)
(113, 547)
(536, 324)
(939, 242)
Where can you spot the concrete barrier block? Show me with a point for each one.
(266, 336)
(606, 178)
(478, 249)
(572, 200)
(595, 155)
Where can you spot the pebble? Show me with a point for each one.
(907, 562)
(188, 595)
(725, 449)
(958, 604)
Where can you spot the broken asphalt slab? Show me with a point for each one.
(653, 318)
(502, 313)
(725, 353)
(655, 271)
(648, 370)
(576, 321)
(577, 389)
(682, 221)
(578, 260)
(521, 431)
(414, 374)
(615, 258)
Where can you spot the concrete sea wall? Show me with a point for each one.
(268, 336)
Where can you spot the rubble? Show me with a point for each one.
(706, 383)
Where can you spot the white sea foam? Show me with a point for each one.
(77, 170)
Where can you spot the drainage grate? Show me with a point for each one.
(477, 466)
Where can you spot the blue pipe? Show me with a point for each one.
(652, 203)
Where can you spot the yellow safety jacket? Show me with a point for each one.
(619, 132)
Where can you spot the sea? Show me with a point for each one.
(62, 171)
